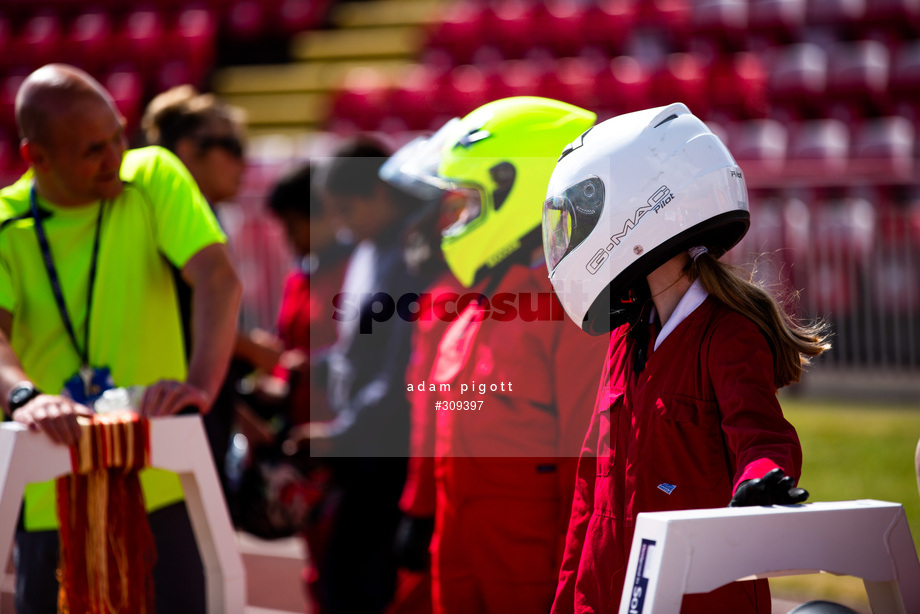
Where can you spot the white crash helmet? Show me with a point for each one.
(627, 196)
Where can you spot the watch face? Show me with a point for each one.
(21, 395)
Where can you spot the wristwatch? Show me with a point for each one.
(20, 394)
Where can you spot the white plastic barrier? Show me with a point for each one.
(696, 551)
(178, 444)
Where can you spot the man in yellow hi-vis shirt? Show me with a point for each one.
(88, 237)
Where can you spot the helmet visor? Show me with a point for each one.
(414, 166)
(569, 217)
(461, 205)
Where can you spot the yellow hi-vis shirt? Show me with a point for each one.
(159, 220)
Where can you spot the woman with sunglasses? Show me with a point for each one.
(207, 135)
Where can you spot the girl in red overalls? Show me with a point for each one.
(638, 211)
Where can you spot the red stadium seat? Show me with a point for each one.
(624, 87)
(723, 23)
(818, 149)
(764, 141)
(682, 78)
(172, 72)
(885, 145)
(467, 88)
(904, 78)
(38, 41)
(841, 14)
(413, 100)
(87, 41)
(572, 80)
(738, 85)
(607, 24)
(901, 17)
(510, 27)
(459, 33)
(245, 20)
(798, 78)
(858, 73)
(516, 78)
(560, 27)
(777, 21)
(672, 16)
(360, 104)
(140, 39)
(293, 16)
(192, 41)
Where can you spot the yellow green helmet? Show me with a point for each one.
(496, 163)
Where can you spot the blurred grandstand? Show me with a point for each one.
(819, 100)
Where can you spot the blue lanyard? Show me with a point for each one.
(56, 283)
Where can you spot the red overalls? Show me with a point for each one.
(699, 419)
(504, 472)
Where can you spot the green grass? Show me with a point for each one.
(853, 451)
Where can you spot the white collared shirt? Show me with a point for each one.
(692, 298)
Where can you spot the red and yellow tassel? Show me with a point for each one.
(107, 549)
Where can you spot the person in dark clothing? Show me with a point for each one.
(367, 439)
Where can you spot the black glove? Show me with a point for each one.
(772, 489)
(413, 537)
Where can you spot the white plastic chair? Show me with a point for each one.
(178, 444)
(696, 551)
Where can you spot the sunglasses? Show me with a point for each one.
(231, 144)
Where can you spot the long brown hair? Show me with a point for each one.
(794, 343)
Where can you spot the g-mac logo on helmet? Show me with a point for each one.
(662, 160)
(655, 202)
(660, 198)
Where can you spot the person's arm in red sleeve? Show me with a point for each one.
(578, 364)
(582, 508)
(758, 436)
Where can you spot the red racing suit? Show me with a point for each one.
(699, 419)
(504, 472)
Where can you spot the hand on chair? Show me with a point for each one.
(774, 488)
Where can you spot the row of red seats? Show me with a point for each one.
(97, 39)
(512, 29)
(237, 19)
(866, 72)
(878, 146)
(736, 86)
(426, 96)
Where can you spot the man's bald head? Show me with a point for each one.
(51, 91)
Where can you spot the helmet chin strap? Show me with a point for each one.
(633, 311)
(639, 328)
(639, 331)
